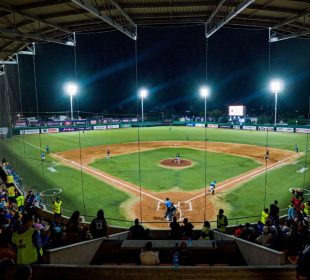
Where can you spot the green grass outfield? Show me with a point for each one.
(157, 178)
(246, 199)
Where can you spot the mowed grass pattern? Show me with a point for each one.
(157, 178)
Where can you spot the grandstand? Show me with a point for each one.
(59, 168)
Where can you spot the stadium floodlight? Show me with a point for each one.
(276, 86)
(143, 93)
(205, 92)
(71, 89)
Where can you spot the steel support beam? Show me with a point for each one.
(291, 19)
(289, 36)
(10, 9)
(215, 12)
(15, 33)
(88, 6)
(3, 62)
(229, 17)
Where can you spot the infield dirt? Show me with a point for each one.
(195, 205)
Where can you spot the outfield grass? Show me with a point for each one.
(157, 178)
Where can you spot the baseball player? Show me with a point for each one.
(212, 187)
(177, 158)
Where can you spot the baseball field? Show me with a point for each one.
(141, 171)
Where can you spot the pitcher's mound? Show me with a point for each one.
(171, 163)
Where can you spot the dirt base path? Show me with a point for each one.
(196, 205)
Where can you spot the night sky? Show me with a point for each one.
(172, 65)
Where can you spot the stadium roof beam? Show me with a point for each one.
(16, 33)
(215, 12)
(289, 36)
(229, 17)
(291, 19)
(33, 18)
(131, 32)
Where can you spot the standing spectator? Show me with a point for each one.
(205, 232)
(11, 193)
(20, 199)
(73, 229)
(265, 215)
(221, 221)
(168, 204)
(274, 212)
(292, 213)
(29, 201)
(175, 232)
(187, 229)
(57, 208)
(99, 226)
(137, 231)
(27, 242)
(148, 256)
(307, 208)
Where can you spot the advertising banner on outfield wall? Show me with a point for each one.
(190, 124)
(30, 131)
(269, 128)
(213, 125)
(93, 122)
(80, 122)
(49, 130)
(225, 126)
(20, 124)
(125, 125)
(112, 126)
(303, 130)
(249, 127)
(200, 125)
(100, 127)
(236, 127)
(285, 129)
(79, 128)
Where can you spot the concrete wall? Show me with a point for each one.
(252, 253)
(80, 253)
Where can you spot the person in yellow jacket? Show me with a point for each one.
(221, 221)
(57, 208)
(307, 208)
(265, 216)
(27, 242)
(20, 199)
(11, 193)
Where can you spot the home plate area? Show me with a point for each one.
(182, 206)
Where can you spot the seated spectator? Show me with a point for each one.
(303, 264)
(175, 232)
(265, 239)
(148, 256)
(184, 254)
(238, 231)
(73, 229)
(206, 232)
(246, 231)
(99, 226)
(136, 232)
(148, 235)
(187, 229)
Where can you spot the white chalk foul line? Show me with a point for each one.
(251, 175)
(98, 173)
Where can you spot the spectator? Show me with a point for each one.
(73, 229)
(221, 221)
(238, 231)
(292, 213)
(29, 201)
(265, 239)
(148, 235)
(149, 257)
(246, 232)
(306, 209)
(175, 232)
(303, 264)
(57, 208)
(187, 229)
(23, 273)
(205, 232)
(20, 199)
(274, 212)
(27, 242)
(99, 226)
(137, 231)
(265, 216)
(184, 254)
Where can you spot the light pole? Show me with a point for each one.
(205, 92)
(276, 86)
(142, 93)
(71, 89)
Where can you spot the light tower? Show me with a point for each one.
(71, 89)
(143, 93)
(205, 92)
(276, 86)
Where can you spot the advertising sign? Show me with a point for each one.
(236, 127)
(20, 124)
(80, 122)
(213, 125)
(99, 127)
(249, 127)
(190, 124)
(93, 122)
(285, 129)
(303, 130)
(269, 128)
(225, 126)
(111, 126)
(30, 131)
(49, 130)
(200, 124)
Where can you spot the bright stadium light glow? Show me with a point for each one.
(143, 92)
(204, 91)
(71, 88)
(276, 86)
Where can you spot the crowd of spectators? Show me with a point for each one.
(25, 236)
